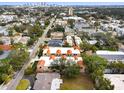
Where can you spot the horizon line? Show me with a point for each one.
(64, 3)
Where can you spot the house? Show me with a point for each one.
(61, 22)
(42, 23)
(73, 40)
(5, 47)
(6, 40)
(120, 31)
(73, 17)
(109, 26)
(77, 40)
(45, 61)
(55, 43)
(61, 51)
(79, 25)
(69, 31)
(24, 39)
(69, 40)
(24, 20)
(17, 38)
(40, 65)
(51, 54)
(111, 55)
(57, 35)
(62, 14)
(92, 42)
(85, 28)
(7, 18)
(21, 39)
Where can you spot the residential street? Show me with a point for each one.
(14, 82)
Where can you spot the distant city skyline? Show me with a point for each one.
(63, 3)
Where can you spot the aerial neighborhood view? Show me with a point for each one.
(61, 46)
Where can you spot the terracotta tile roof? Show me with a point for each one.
(46, 47)
(69, 52)
(41, 62)
(48, 51)
(5, 47)
(52, 57)
(58, 51)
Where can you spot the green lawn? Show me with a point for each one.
(23, 85)
(82, 82)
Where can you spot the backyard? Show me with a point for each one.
(81, 82)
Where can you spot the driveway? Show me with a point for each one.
(31, 78)
(44, 80)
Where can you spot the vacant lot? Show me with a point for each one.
(82, 82)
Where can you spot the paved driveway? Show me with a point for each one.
(44, 80)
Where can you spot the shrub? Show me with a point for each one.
(72, 71)
(67, 69)
(29, 71)
(6, 78)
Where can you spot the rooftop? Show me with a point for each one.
(63, 50)
(117, 80)
(55, 43)
(73, 17)
(49, 60)
(5, 47)
(104, 52)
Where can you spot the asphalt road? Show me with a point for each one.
(12, 85)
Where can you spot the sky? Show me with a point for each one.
(66, 3)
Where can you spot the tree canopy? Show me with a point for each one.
(95, 66)
(66, 68)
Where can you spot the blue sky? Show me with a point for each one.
(67, 3)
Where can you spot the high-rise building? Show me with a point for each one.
(70, 12)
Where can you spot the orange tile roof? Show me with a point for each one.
(48, 51)
(52, 57)
(69, 52)
(5, 47)
(58, 51)
(46, 47)
(41, 62)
